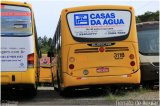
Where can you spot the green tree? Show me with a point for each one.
(138, 20)
(49, 41)
(148, 16)
(45, 44)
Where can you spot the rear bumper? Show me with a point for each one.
(70, 81)
(18, 86)
(45, 80)
(25, 77)
(149, 72)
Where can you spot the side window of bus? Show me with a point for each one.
(37, 43)
(60, 33)
(58, 38)
(56, 44)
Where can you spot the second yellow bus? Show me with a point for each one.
(96, 46)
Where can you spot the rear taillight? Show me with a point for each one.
(71, 66)
(131, 56)
(30, 60)
(132, 63)
(72, 59)
(101, 49)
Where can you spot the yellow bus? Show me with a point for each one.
(19, 47)
(45, 77)
(96, 46)
(45, 71)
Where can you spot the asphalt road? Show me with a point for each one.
(47, 96)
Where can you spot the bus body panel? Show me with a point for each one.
(54, 68)
(70, 81)
(20, 77)
(16, 3)
(149, 68)
(68, 40)
(45, 75)
(17, 49)
(89, 58)
(28, 77)
(150, 59)
(109, 58)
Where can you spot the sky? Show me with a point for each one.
(47, 12)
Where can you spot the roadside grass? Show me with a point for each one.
(126, 94)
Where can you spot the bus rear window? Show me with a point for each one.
(15, 21)
(99, 25)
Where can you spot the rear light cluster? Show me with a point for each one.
(131, 56)
(30, 60)
(72, 60)
(101, 49)
(71, 66)
(132, 63)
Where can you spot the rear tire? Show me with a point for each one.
(31, 91)
(148, 85)
(62, 92)
(136, 87)
(39, 84)
(58, 83)
(56, 89)
(67, 92)
(34, 92)
(59, 87)
(93, 89)
(114, 90)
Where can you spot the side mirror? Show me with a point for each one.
(40, 54)
(50, 54)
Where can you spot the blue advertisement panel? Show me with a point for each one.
(99, 24)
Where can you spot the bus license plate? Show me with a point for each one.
(102, 69)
